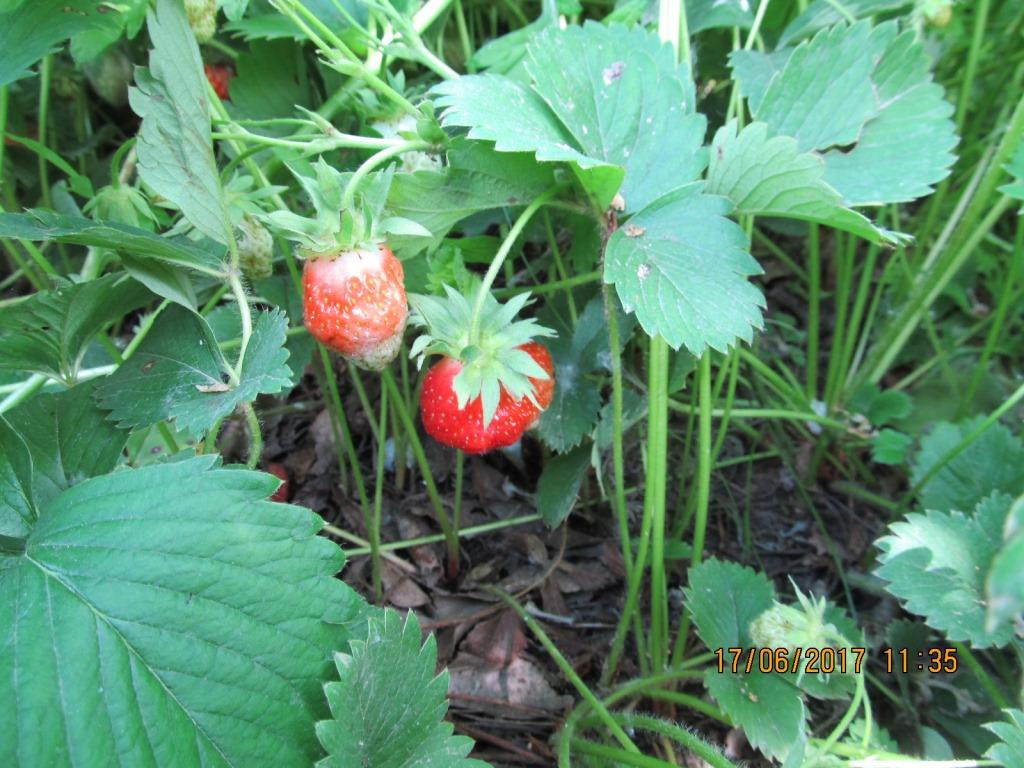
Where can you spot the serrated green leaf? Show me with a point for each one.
(39, 224)
(724, 598)
(890, 447)
(765, 176)
(67, 439)
(993, 462)
(576, 402)
(174, 147)
(477, 179)
(49, 332)
(1009, 750)
(30, 29)
(179, 373)
(169, 616)
(937, 563)
(824, 13)
(681, 266)
(388, 706)
(592, 103)
(559, 484)
(863, 97)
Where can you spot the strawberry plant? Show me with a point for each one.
(688, 328)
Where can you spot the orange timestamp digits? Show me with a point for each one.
(812, 661)
(931, 660)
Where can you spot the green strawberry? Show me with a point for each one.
(109, 75)
(255, 249)
(202, 17)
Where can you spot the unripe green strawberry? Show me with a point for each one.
(255, 249)
(109, 75)
(202, 17)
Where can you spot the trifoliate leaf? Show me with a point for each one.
(612, 101)
(30, 29)
(863, 97)
(39, 224)
(66, 438)
(180, 373)
(388, 706)
(49, 332)
(1009, 750)
(724, 599)
(169, 616)
(682, 267)
(993, 462)
(174, 147)
(559, 484)
(771, 177)
(880, 406)
(937, 563)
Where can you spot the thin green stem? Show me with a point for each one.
(334, 398)
(255, 436)
(451, 536)
(813, 309)
(466, 533)
(45, 73)
(375, 161)
(503, 251)
(378, 496)
(654, 493)
(460, 465)
(570, 674)
(704, 458)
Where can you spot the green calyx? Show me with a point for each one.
(490, 356)
(791, 627)
(334, 227)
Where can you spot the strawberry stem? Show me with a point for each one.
(499, 257)
(375, 160)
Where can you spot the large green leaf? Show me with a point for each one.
(937, 563)
(40, 224)
(770, 177)
(709, 14)
(724, 598)
(169, 616)
(993, 462)
(682, 267)
(58, 440)
(179, 373)
(864, 98)
(174, 147)
(30, 29)
(388, 706)
(476, 179)
(611, 100)
(49, 332)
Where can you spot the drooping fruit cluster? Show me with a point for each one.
(202, 18)
(354, 302)
(220, 77)
(255, 249)
(463, 428)
(493, 381)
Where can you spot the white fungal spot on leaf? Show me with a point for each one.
(642, 272)
(632, 230)
(612, 72)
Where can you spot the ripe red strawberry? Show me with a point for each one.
(464, 428)
(355, 303)
(284, 491)
(220, 76)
